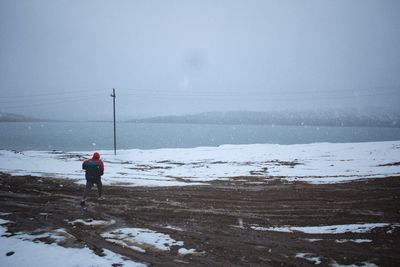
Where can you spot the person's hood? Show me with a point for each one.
(96, 155)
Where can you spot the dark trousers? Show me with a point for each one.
(89, 185)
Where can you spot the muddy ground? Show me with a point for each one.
(217, 220)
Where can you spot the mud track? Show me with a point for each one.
(218, 220)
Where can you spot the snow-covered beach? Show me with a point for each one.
(312, 163)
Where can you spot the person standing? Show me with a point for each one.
(94, 169)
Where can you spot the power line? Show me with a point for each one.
(202, 92)
(36, 104)
(246, 91)
(57, 98)
(254, 95)
(51, 94)
(91, 95)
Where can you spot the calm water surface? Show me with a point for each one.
(78, 136)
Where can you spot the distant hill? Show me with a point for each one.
(10, 117)
(371, 118)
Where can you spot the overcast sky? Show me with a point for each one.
(61, 59)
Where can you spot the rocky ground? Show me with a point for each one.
(221, 222)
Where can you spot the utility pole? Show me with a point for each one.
(115, 128)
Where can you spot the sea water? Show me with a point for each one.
(88, 136)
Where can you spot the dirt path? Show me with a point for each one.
(222, 222)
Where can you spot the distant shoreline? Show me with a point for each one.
(388, 126)
(312, 118)
(289, 118)
(260, 124)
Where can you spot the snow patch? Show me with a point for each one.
(184, 251)
(327, 229)
(91, 222)
(309, 257)
(354, 240)
(311, 163)
(175, 228)
(141, 238)
(2, 221)
(360, 264)
(23, 252)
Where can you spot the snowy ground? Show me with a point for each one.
(26, 249)
(313, 163)
(43, 248)
(322, 163)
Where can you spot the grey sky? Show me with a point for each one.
(61, 59)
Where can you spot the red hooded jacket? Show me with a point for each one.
(94, 167)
